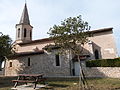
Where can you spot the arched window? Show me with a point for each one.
(57, 60)
(18, 32)
(96, 54)
(25, 32)
(10, 64)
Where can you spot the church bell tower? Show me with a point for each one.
(24, 29)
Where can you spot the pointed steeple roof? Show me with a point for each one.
(25, 17)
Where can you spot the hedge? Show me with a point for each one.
(103, 63)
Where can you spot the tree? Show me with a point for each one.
(71, 35)
(5, 46)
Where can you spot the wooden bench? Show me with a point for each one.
(26, 81)
(29, 78)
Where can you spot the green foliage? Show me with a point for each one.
(5, 45)
(71, 34)
(104, 63)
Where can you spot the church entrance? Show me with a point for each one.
(76, 64)
(77, 68)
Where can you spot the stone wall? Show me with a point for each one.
(42, 63)
(113, 72)
(2, 72)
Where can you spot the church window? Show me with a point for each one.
(57, 60)
(18, 32)
(10, 64)
(28, 61)
(96, 54)
(25, 32)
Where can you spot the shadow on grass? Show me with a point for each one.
(6, 82)
(58, 85)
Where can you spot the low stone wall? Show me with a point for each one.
(113, 72)
(2, 73)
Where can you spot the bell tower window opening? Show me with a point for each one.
(25, 32)
(18, 32)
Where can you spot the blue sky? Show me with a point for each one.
(45, 13)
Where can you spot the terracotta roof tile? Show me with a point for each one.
(26, 54)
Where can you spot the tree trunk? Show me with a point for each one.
(82, 80)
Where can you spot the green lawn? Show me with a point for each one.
(66, 84)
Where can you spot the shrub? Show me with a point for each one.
(104, 63)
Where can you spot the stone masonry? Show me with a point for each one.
(44, 63)
(113, 72)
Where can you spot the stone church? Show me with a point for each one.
(31, 58)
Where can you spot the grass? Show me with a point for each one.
(94, 84)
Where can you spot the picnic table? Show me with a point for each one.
(29, 78)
